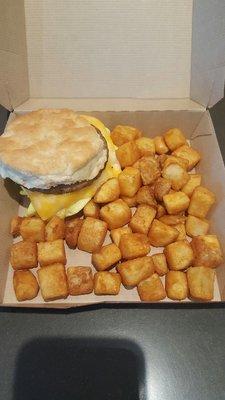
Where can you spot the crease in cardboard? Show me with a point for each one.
(9, 52)
(197, 130)
(212, 85)
(5, 96)
(216, 92)
(7, 91)
(211, 92)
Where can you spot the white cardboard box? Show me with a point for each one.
(152, 64)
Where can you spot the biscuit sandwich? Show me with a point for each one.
(59, 159)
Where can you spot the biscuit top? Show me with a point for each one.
(50, 146)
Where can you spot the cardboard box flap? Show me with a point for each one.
(109, 48)
(14, 86)
(208, 52)
(112, 49)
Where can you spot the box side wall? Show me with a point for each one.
(213, 173)
(8, 208)
(110, 104)
(151, 122)
(9, 205)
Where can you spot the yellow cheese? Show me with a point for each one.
(47, 205)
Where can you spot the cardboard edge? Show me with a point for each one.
(111, 104)
(99, 304)
(214, 179)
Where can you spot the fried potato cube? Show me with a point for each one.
(109, 191)
(176, 202)
(170, 159)
(149, 169)
(182, 231)
(162, 186)
(92, 235)
(173, 219)
(146, 146)
(179, 255)
(160, 145)
(151, 289)
(176, 174)
(53, 282)
(118, 232)
(51, 252)
(116, 214)
(201, 202)
(196, 226)
(176, 285)
(161, 234)
(145, 195)
(55, 229)
(91, 209)
(15, 226)
(201, 283)
(32, 229)
(107, 283)
(129, 181)
(128, 154)
(25, 285)
(160, 211)
(174, 138)
(73, 227)
(122, 134)
(194, 181)
(80, 280)
(142, 218)
(23, 255)
(172, 191)
(161, 159)
(160, 264)
(106, 257)
(133, 245)
(188, 153)
(136, 164)
(207, 251)
(130, 201)
(134, 271)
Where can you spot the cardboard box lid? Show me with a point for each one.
(111, 48)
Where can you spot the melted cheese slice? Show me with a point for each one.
(48, 205)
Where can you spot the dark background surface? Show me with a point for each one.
(115, 352)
